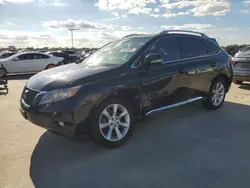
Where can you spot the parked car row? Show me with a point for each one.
(129, 78)
(28, 62)
(241, 66)
(6, 54)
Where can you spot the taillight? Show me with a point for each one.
(232, 62)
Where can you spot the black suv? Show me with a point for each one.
(128, 78)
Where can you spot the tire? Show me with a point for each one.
(216, 95)
(107, 135)
(3, 72)
(50, 66)
(237, 82)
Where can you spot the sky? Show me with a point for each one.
(45, 23)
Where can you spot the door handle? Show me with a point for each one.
(213, 64)
(183, 74)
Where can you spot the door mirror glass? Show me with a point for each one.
(152, 58)
(16, 59)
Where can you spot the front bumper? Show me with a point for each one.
(51, 117)
(242, 75)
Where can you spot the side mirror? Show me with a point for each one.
(153, 58)
(16, 59)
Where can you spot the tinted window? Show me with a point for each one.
(57, 54)
(211, 49)
(192, 47)
(5, 55)
(43, 56)
(37, 56)
(244, 54)
(25, 57)
(69, 52)
(168, 49)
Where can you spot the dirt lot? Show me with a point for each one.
(182, 147)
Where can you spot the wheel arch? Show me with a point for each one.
(50, 65)
(134, 102)
(226, 79)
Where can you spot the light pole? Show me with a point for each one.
(72, 36)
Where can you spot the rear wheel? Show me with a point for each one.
(112, 123)
(50, 66)
(237, 82)
(216, 96)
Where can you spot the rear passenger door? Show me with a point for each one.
(201, 65)
(162, 84)
(44, 62)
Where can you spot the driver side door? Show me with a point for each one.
(164, 83)
(22, 65)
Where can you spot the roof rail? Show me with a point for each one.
(131, 35)
(182, 31)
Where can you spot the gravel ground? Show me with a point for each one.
(183, 147)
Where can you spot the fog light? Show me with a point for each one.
(61, 123)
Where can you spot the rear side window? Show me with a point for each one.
(211, 49)
(192, 47)
(168, 48)
(43, 56)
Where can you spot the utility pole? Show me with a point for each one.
(72, 36)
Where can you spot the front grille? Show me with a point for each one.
(29, 95)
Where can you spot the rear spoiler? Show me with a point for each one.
(214, 40)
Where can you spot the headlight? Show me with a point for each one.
(59, 94)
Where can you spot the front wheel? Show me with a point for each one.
(216, 96)
(112, 123)
(3, 72)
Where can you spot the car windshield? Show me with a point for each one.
(117, 52)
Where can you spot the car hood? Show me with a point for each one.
(65, 76)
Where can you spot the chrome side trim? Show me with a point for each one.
(194, 99)
(174, 105)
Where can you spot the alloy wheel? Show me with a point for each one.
(218, 94)
(114, 122)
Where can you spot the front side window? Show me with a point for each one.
(25, 57)
(168, 48)
(117, 52)
(192, 47)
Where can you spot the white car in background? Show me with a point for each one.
(28, 62)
